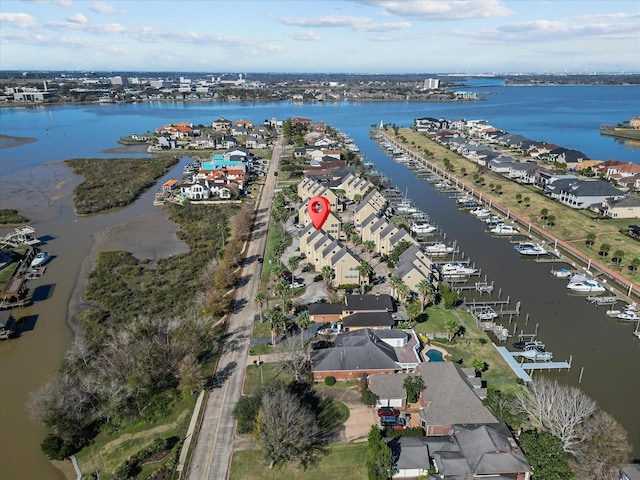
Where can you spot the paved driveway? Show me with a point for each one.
(356, 428)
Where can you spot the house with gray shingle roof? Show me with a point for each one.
(451, 397)
(578, 193)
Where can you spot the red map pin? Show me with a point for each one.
(319, 208)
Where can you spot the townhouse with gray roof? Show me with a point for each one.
(580, 194)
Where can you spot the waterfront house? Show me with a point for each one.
(453, 395)
(579, 194)
(221, 124)
(372, 320)
(467, 451)
(365, 352)
(321, 312)
(625, 207)
(198, 190)
(331, 225)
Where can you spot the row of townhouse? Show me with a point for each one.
(372, 224)
(578, 193)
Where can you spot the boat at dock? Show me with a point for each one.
(531, 249)
(602, 300)
(423, 228)
(456, 270)
(504, 230)
(536, 355)
(562, 273)
(40, 259)
(528, 344)
(481, 212)
(585, 286)
(438, 249)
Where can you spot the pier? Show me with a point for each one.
(520, 369)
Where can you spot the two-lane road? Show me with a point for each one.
(211, 456)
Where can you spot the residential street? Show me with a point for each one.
(211, 456)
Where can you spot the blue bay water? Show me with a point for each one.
(566, 116)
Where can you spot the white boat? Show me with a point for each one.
(438, 249)
(603, 300)
(562, 273)
(628, 315)
(504, 230)
(485, 313)
(481, 212)
(423, 228)
(40, 259)
(534, 354)
(455, 269)
(531, 249)
(494, 219)
(586, 286)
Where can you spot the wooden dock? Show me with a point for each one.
(520, 368)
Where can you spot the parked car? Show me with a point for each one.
(388, 411)
(388, 421)
(321, 344)
(332, 328)
(296, 284)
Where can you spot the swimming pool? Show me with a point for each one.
(434, 355)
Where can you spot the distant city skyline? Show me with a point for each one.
(315, 36)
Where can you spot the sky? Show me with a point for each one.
(322, 36)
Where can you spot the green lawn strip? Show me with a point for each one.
(270, 372)
(109, 450)
(346, 461)
(570, 225)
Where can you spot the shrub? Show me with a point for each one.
(330, 381)
(368, 397)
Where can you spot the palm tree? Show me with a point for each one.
(277, 323)
(404, 292)
(425, 289)
(355, 238)
(365, 270)
(283, 290)
(369, 246)
(302, 322)
(328, 274)
(347, 229)
(260, 298)
(294, 263)
(394, 281)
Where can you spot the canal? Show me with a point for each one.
(604, 349)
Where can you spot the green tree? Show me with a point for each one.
(277, 323)
(498, 189)
(365, 270)
(452, 326)
(617, 256)
(369, 246)
(414, 310)
(519, 197)
(546, 456)
(551, 220)
(544, 212)
(246, 412)
(328, 274)
(260, 298)
(394, 281)
(404, 292)
(425, 289)
(448, 297)
(526, 201)
(283, 290)
(347, 229)
(413, 385)
(478, 364)
(604, 249)
(395, 253)
(634, 264)
(379, 457)
(294, 263)
(302, 322)
(463, 171)
(591, 239)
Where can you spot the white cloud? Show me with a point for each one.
(441, 9)
(18, 20)
(62, 3)
(359, 24)
(102, 7)
(306, 36)
(97, 28)
(77, 18)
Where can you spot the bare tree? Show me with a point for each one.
(288, 430)
(295, 359)
(604, 450)
(558, 409)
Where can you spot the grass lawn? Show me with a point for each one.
(570, 225)
(109, 451)
(270, 371)
(474, 344)
(344, 461)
